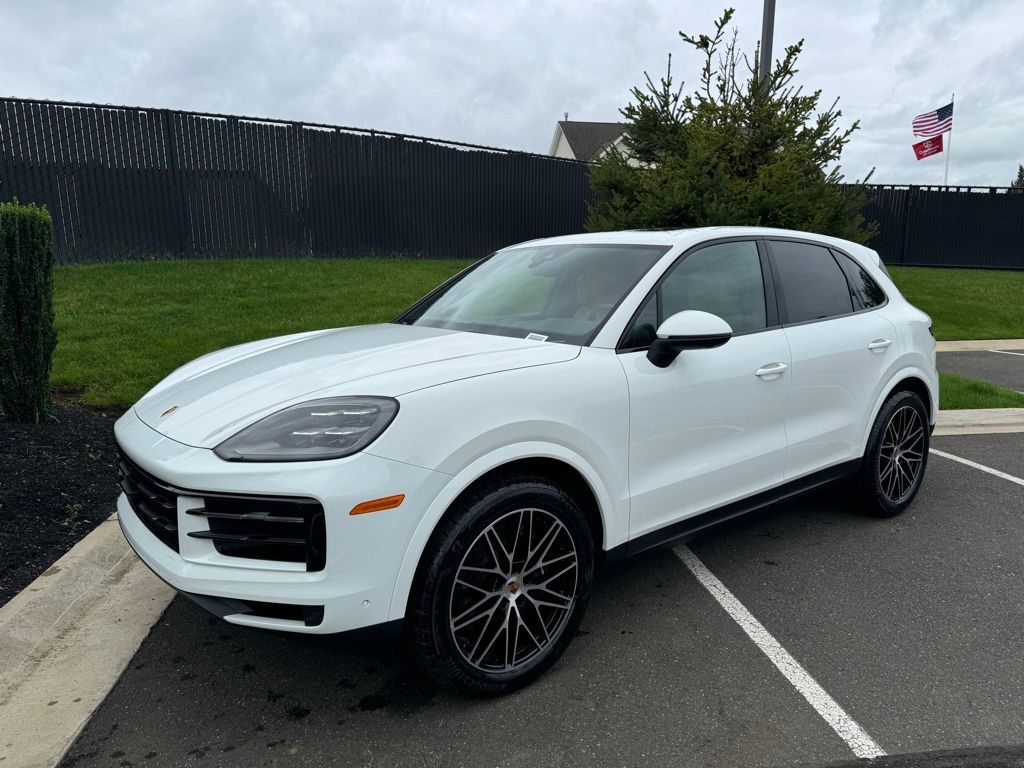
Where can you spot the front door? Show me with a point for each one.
(709, 428)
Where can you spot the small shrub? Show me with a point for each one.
(27, 335)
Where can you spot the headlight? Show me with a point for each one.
(320, 429)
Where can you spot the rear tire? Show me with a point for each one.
(502, 587)
(894, 463)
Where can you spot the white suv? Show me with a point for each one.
(463, 470)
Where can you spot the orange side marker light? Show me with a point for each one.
(377, 505)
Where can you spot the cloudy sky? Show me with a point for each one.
(501, 73)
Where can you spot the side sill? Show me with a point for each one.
(684, 530)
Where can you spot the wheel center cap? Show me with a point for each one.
(513, 587)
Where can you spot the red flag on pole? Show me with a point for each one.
(928, 147)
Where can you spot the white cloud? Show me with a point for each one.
(501, 73)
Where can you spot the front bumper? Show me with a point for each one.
(363, 553)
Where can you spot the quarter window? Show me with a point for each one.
(813, 286)
(866, 292)
(643, 332)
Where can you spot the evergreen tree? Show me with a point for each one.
(737, 150)
(1018, 183)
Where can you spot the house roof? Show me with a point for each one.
(588, 139)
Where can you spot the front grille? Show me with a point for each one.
(153, 502)
(289, 530)
(264, 528)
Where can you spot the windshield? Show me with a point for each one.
(549, 292)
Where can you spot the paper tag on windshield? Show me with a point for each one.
(536, 337)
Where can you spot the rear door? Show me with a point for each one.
(840, 348)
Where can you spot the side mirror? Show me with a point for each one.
(691, 329)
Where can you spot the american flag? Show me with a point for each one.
(934, 123)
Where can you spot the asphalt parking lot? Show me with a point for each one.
(911, 625)
(1004, 368)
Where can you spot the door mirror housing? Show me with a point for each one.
(690, 329)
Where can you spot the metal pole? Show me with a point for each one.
(767, 33)
(949, 148)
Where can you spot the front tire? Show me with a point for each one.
(503, 586)
(893, 466)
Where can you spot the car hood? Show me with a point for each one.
(213, 397)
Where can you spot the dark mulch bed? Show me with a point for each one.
(58, 481)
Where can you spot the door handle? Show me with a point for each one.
(772, 369)
(880, 344)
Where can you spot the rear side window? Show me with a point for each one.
(866, 292)
(813, 286)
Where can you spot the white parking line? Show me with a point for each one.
(1004, 352)
(976, 465)
(849, 731)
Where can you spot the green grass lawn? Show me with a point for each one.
(123, 327)
(960, 392)
(966, 303)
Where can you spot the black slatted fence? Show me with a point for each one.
(130, 183)
(949, 226)
(133, 183)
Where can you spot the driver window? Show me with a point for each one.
(723, 279)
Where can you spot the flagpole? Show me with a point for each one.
(949, 148)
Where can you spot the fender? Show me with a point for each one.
(614, 511)
(890, 384)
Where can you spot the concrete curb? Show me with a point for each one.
(980, 421)
(979, 345)
(66, 639)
